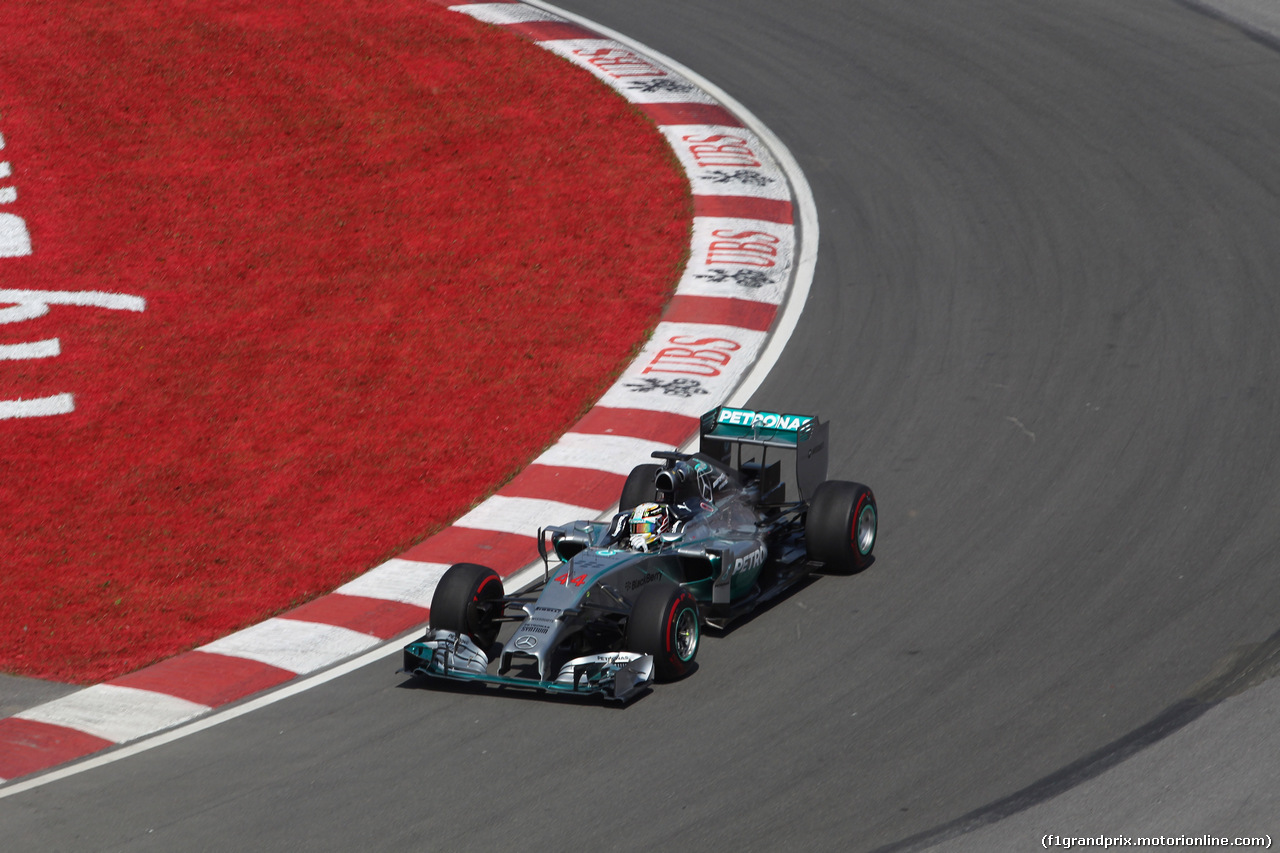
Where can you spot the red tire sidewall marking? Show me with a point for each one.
(856, 521)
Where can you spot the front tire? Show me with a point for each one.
(468, 601)
(840, 528)
(664, 623)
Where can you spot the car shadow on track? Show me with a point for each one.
(461, 688)
(764, 608)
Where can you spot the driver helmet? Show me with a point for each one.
(648, 522)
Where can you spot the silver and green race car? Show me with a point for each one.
(699, 539)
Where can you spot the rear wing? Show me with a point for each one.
(787, 452)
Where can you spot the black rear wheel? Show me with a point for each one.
(468, 601)
(840, 528)
(641, 486)
(664, 623)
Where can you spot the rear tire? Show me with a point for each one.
(641, 487)
(467, 601)
(840, 528)
(664, 623)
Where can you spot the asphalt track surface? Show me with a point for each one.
(1044, 324)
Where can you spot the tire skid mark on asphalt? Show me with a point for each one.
(739, 273)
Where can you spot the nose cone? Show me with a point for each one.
(525, 654)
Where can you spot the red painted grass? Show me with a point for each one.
(388, 253)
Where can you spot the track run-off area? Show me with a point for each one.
(1043, 324)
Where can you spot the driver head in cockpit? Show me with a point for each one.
(647, 523)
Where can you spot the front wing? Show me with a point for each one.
(615, 676)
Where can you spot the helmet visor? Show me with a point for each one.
(644, 527)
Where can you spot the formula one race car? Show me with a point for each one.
(699, 539)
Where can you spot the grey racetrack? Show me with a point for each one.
(1045, 327)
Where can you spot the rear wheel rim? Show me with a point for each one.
(864, 530)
